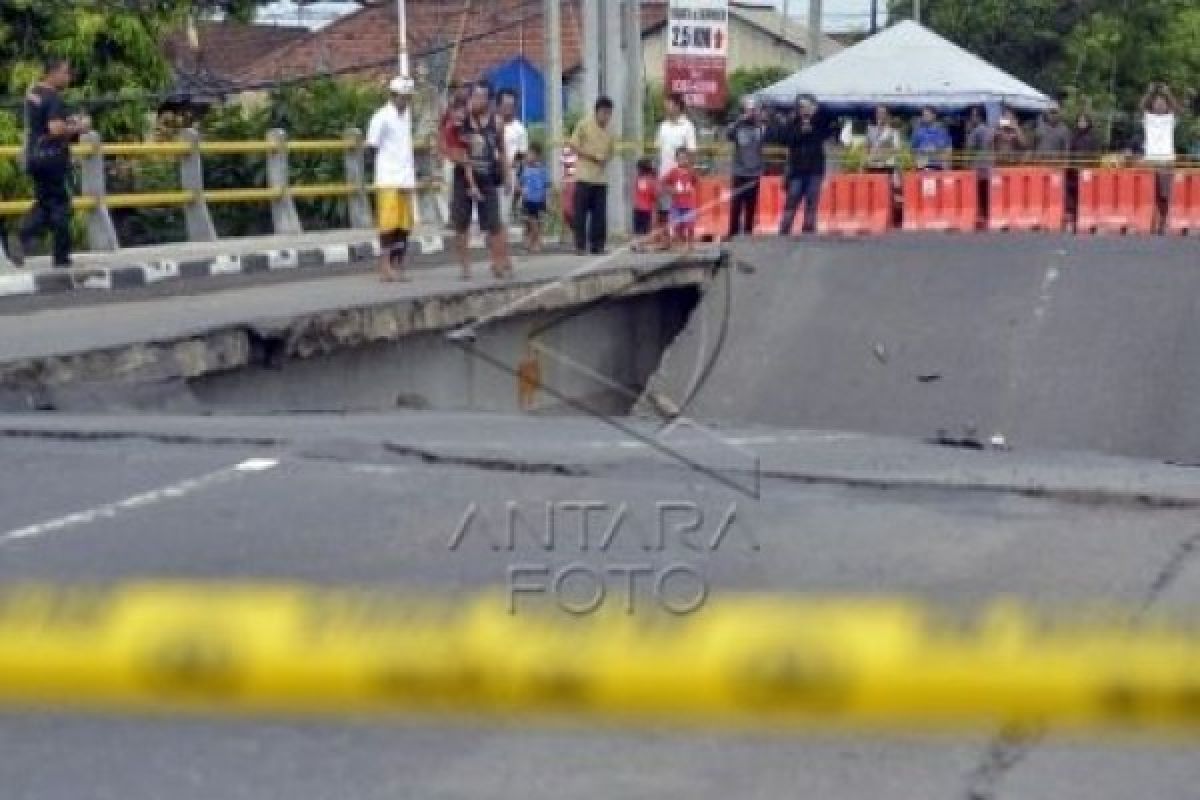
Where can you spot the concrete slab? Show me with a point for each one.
(1046, 341)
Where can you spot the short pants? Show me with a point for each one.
(462, 204)
(683, 216)
(534, 210)
(643, 223)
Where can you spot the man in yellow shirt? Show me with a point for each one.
(593, 144)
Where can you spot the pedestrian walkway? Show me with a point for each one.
(92, 328)
(142, 266)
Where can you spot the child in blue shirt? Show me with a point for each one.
(535, 181)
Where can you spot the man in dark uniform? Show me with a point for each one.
(477, 148)
(50, 129)
(804, 135)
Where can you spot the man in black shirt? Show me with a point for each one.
(480, 170)
(804, 135)
(50, 129)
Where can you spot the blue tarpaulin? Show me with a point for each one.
(520, 75)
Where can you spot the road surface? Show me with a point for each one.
(376, 500)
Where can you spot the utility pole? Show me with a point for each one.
(593, 51)
(916, 10)
(402, 36)
(814, 31)
(874, 17)
(552, 38)
(786, 21)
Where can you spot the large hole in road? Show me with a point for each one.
(599, 357)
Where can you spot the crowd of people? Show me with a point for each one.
(495, 174)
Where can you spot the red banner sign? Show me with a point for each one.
(697, 43)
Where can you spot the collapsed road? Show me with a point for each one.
(825, 499)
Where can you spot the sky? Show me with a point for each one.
(839, 15)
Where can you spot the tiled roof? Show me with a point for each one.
(491, 33)
(227, 48)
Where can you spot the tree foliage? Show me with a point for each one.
(1103, 50)
(748, 81)
(114, 47)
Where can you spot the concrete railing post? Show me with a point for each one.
(102, 236)
(358, 203)
(200, 226)
(283, 207)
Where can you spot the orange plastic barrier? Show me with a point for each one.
(941, 201)
(568, 202)
(1116, 201)
(855, 204)
(712, 223)
(770, 205)
(1184, 216)
(1027, 199)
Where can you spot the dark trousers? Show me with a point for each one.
(804, 188)
(591, 216)
(51, 211)
(743, 212)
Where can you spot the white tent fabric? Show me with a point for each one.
(906, 65)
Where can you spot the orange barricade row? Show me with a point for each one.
(1116, 201)
(1027, 199)
(770, 205)
(713, 197)
(1184, 216)
(855, 204)
(940, 201)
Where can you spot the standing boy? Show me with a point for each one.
(645, 203)
(683, 185)
(534, 182)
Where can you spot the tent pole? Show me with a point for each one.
(814, 32)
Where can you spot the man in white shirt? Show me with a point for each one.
(390, 136)
(675, 131)
(1159, 109)
(516, 147)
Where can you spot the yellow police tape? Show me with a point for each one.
(756, 661)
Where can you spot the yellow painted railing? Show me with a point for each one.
(193, 198)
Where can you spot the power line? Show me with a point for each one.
(234, 87)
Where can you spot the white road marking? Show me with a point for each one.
(141, 500)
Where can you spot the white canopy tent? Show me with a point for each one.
(906, 65)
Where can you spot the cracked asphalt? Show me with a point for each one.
(376, 499)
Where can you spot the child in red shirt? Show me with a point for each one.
(645, 202)
(683, 185)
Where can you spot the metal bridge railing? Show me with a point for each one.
(192, 196)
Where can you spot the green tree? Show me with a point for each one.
(1103, 50)
(748, 81)
(113, 46)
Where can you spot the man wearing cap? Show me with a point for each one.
(390, 136)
